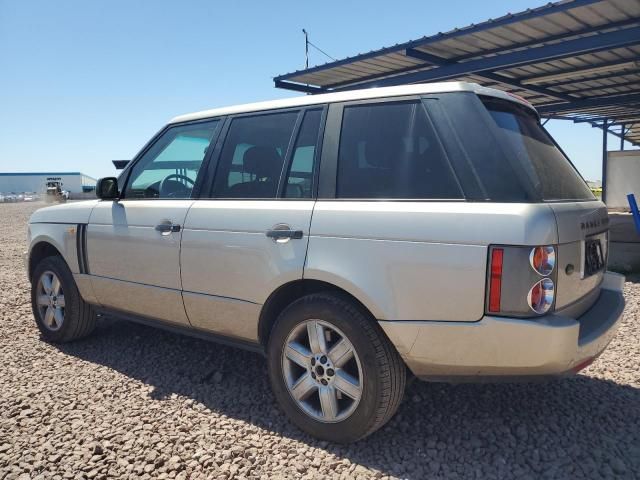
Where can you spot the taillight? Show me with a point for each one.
(543, 259)
(540, 297)
(521, 280)
(495, 281)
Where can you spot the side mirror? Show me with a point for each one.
(107, 188)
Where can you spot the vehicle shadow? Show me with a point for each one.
(633, 277)
(581, 426)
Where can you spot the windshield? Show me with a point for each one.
(535, 154)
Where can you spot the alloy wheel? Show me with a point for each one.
(50, 301)
(322, 371)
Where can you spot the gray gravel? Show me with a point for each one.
(134, 402)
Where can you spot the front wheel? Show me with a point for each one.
(333, 370)
(60, 312)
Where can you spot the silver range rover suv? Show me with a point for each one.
(350, 237)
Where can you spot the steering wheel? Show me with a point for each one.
(175, 177)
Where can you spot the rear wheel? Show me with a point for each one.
(332, 369)
(59, 311)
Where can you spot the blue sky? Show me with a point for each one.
(85, 82)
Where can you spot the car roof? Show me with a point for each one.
(349, 95)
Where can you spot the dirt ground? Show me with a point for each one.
(135, 402)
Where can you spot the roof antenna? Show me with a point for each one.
(306, 48)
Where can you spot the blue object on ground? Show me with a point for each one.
(634, 210)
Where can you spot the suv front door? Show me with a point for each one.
(251, 236)
(133, 244)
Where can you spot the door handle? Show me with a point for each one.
(282, 233)
(167, 228)
(277, 234)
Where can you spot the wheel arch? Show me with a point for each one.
(40, 250)
(290, 292)
(53, 239)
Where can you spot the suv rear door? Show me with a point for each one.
(250, 235)
(389, 225)
(133, 244)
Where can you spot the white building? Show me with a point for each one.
(74, 182)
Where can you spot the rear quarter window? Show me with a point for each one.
(390, 151)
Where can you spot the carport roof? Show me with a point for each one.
(575, 59)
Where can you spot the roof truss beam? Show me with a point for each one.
(564, 77)
(299, 87)
(590, 103)
(553, 38)
(592, 78)
(601, 127)
(578, 46)
(630, 83)
(439, 61)
(596, 121)
(605, 110)
(611, 132)
(614, 121)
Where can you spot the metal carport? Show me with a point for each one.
(574, 60)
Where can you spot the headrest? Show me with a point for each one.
(382, 153)
(262, 162)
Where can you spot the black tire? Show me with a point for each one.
(383, 371)
(79, 317)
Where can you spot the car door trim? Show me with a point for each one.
(316, 154)
(81, 248)
(252, 346)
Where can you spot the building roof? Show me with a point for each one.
(19, 174)
(40, 174)
(347, 95)
(573, 59)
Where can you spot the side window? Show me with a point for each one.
(170, 167)
(300, 175)
(389, 150)
(253, 155)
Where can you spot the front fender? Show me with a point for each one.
(62, 236)
(57, 226)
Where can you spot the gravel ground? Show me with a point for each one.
(135, 402)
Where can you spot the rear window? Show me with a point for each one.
(533, 153)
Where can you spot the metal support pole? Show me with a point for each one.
(634, 211)
(605, 130)
(306, 49)
(622, 134)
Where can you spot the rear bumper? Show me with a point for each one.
(510, 347)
